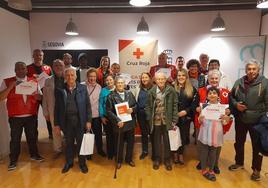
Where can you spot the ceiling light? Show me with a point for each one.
(218, 24)
(140, 3)
(142, 27)
(25, 5)
(262, 3)
(71, 28)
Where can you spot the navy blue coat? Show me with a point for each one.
(262, 130)
(83, 105)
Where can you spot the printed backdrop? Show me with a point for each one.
(135, 58)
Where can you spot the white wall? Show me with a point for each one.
(177, 31)
(184, 33)
(15, 46)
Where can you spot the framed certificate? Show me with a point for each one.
(213, 111)
(121, 112)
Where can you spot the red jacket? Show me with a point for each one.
(155, 68)
(15, 103)
(32, 71)
(224, 93)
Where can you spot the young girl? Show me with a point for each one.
(210, 136)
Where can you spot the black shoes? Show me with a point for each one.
(156, 165)
(37, 158)
(143, 155)
(12, 166)
(209, 176)
(216, 170)
(168, 166)
(255, 176)
(198, 166)
(83, 168)
(66, 168)
(234, 167)
(131, 163)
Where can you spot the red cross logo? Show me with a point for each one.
(138, 53)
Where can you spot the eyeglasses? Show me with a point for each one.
(180, 61)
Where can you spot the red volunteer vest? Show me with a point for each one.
(15, 103)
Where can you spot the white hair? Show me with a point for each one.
(252, 62)
(70, 69)
(158, 74)
(214, 72)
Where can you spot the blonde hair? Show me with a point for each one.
(188, 88)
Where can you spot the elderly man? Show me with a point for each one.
(34, 70)
(22, 113)
(203, 58)
(73, 116)
(55, 81)
(248, 102)
(161, 112)
(170, 70)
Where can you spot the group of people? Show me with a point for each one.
(77, 100)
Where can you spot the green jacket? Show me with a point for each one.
(256, 99)
(170, 102)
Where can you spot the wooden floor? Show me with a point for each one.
(48, 174)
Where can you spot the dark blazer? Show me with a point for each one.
(83, 105)
(187, 104)
(114, 98)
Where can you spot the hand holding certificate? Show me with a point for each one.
(122, 111)
(26, 88)
(213, 111)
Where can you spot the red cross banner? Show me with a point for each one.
(136, 58)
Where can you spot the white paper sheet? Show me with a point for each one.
(41, 79)
(26, 88)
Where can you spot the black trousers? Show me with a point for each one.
(73, 133)
(145, 131)
(17, 124)
(110, 143)
(160, 132)
(129, 137)
(97, 129)
(184, 127)
(241, 130)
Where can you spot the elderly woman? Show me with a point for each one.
(94, 90)
(197, 79)
(103, 71)
(214, 80)
(109, 81)
(123, 130)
